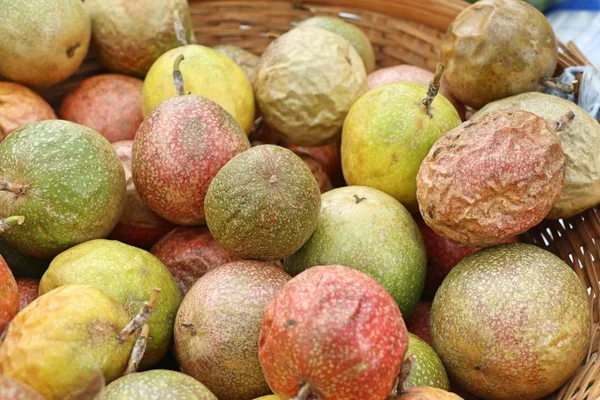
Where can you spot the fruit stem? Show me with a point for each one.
(399, 388)
(563, 121)
(141, 318)
(179, 29)
(178, 76)
(138, 351)
(553, 83)
(434, 88)
(304, 392)
(13, 188)
(6, 223)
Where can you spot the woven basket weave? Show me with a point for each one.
(402, 32)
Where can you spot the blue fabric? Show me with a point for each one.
(590, 5)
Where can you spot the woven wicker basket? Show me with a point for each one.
(402, 32)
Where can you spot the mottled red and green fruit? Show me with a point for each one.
(511, 322)
(9, 295)
(188, 253)
(263, 204)
(328, 156)
(139, 226)
(418, 322)
(333, 331)
(218, 324)
(28, 291)
(178, 150)
(66, 180)
(109, 103)
(20, 105)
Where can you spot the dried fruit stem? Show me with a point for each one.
(563, 121)
(179, 30)
(138, 350)
(551, 83)
(434, 88)
(140, 319)
(304, 392)
(13, 188)
(177, 76)
(6, 223)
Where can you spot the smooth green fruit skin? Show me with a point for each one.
(157, 384)
(22, 265)
(427, 368)
(350, 32)
(128, 274)
(511, 322)
(388, 133)
(368, 230)
(76, 186)
(65, 341)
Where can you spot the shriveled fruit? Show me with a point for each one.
(66, 340)
(426, 367)
(12, 389)
(580, 141)
(307, 82)
(491, 178)
(128, 36)
(498, 48)
(218, 324)
(20, 105)
(67, 181)
(28, 291)
(177, 152)
(428, 393)
(188, 253)
(333, 331)
(206, 73)
(388, 133)
(411, 73)
(317, 170)
(263, 204)
(418, 322)
(508, 316)
(139, 226)
(109, 103)
(368, 230)
(156, 385)
(9, 295)
(351, 33)
(42, 42)
(128, 275)
(247, 61)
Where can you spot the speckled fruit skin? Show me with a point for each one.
(157, 385)
(76, 186)
(178, 150)
(188, 253)
(427, 369)
(336, 329)
(580, 140)
(12, 389)
(412, 73)
(139, 226)
(28, 291)
(22, 265)
(418, 322)
(57, 40)
(388, 133)
(318, 172)
(329, 157)
(20, 105)
(128, 275)
(263, 204)
(9, 295)
(129, 35)
(218, 324)
(247, 61)
(350, 32)
(428, 393)
(491, 178)
(109, 103)
(497, 48)
(307, 82)
(206, 73)
(511, 322)
(368, 230)
(64, 339)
